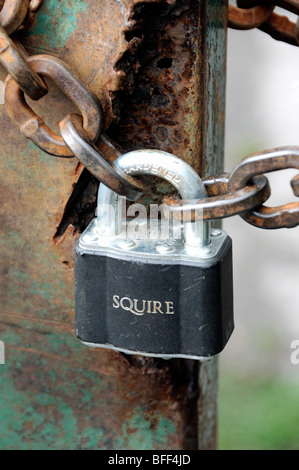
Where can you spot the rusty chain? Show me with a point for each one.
(251, 14)
(247, 176)
(26, 78)
(242, 192)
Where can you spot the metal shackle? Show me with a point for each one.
(168, 167)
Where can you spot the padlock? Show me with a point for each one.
(154, 295)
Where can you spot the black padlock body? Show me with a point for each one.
(168, 309)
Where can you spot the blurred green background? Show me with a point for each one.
(258, 414)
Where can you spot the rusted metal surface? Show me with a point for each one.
(16, 65)
(13, 13)
(55, 393)
(289, 5)
(158, 67)
(249, 14)
(210, 154)
(281, 158)
(207, 425)
(93, 47)
(216, 185)
(281, 28)
(245, 190)
(167, 88)
(248, 18)
(32, 126)
(225, 204)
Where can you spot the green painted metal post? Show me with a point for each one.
(159, 69)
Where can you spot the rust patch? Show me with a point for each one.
(154, 96)
(149, 110)
(149, 77)
(157, 80)
(80, 208)
(180, 380)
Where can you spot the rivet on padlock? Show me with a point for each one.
(157, 297)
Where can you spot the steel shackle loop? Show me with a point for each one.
(172, 169)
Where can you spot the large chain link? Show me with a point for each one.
(251, 14)
(243, 192)
(25, 78)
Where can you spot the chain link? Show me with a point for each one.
(239, 18)
(25, 78)
(251, 14)
(226, 203)
(243, 192)
(19, 68)
(13, 14)
(115, 178)
(285, 216)
(32, 126)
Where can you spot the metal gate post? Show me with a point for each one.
(159, 69)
